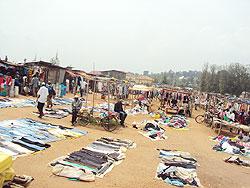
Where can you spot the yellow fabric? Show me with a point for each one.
(8, 174)
(5, 162)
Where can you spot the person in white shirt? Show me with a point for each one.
(82, 87)
(42, 95)
(196, 102)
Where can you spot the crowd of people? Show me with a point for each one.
(224, 109)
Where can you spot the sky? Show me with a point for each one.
(127, 35)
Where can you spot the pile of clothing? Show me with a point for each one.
(62, 101)
(175, 121)
(177, 168)
(159, 114)
(25, 136)
(152, 130)
(232, 146)
(55, 113)
(96, 160)
(106, 106)
(16, 103)
(137, 110)
(238, 161)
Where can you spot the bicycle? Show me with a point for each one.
(108, 120)
(207, 118)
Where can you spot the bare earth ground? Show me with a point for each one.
(139, 167)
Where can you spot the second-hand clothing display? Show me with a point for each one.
(152, 130)
(175, 121)
(55, 113)
(95, 160)
(25, 136)
(238, 161)
(19, 103)
(232, 146)
(177, 168)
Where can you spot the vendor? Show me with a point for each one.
(119, 109)
(76, 107)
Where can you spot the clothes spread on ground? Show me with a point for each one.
(55, 113)
(137, 110)
(232, 146)
(175, 121)
(16, 103)
(19, 182)
(159, 114)
(25, 136)
(177, 168)
(152, 130)
(95, 160)
(238, 161)
(62, 101)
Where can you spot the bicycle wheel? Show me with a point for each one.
(199, 119)
(109, 124)
(83, 121)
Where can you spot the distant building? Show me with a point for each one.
(120, 75)
(47, 71)
(145, 73)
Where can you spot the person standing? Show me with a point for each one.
(72, 88)
(119, 109)
(35, 84)
(196, 102)
(51, 95)
(42, 95)
(9, 81)
(76, 107)
(82, 87)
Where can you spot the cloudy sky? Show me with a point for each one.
(129, 35)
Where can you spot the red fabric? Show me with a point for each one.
(1, 80)
(9, 80)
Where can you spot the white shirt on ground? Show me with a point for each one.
(43, 94)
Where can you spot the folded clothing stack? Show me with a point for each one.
(95, 160)
(177, 168)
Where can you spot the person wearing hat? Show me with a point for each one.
(119, 109)
(76, 107)
(42, 95)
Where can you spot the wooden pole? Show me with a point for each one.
(87, 93)
(108, 97)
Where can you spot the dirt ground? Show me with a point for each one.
(139, 167)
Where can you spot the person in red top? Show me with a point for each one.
(9, 81)
(1, 82)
